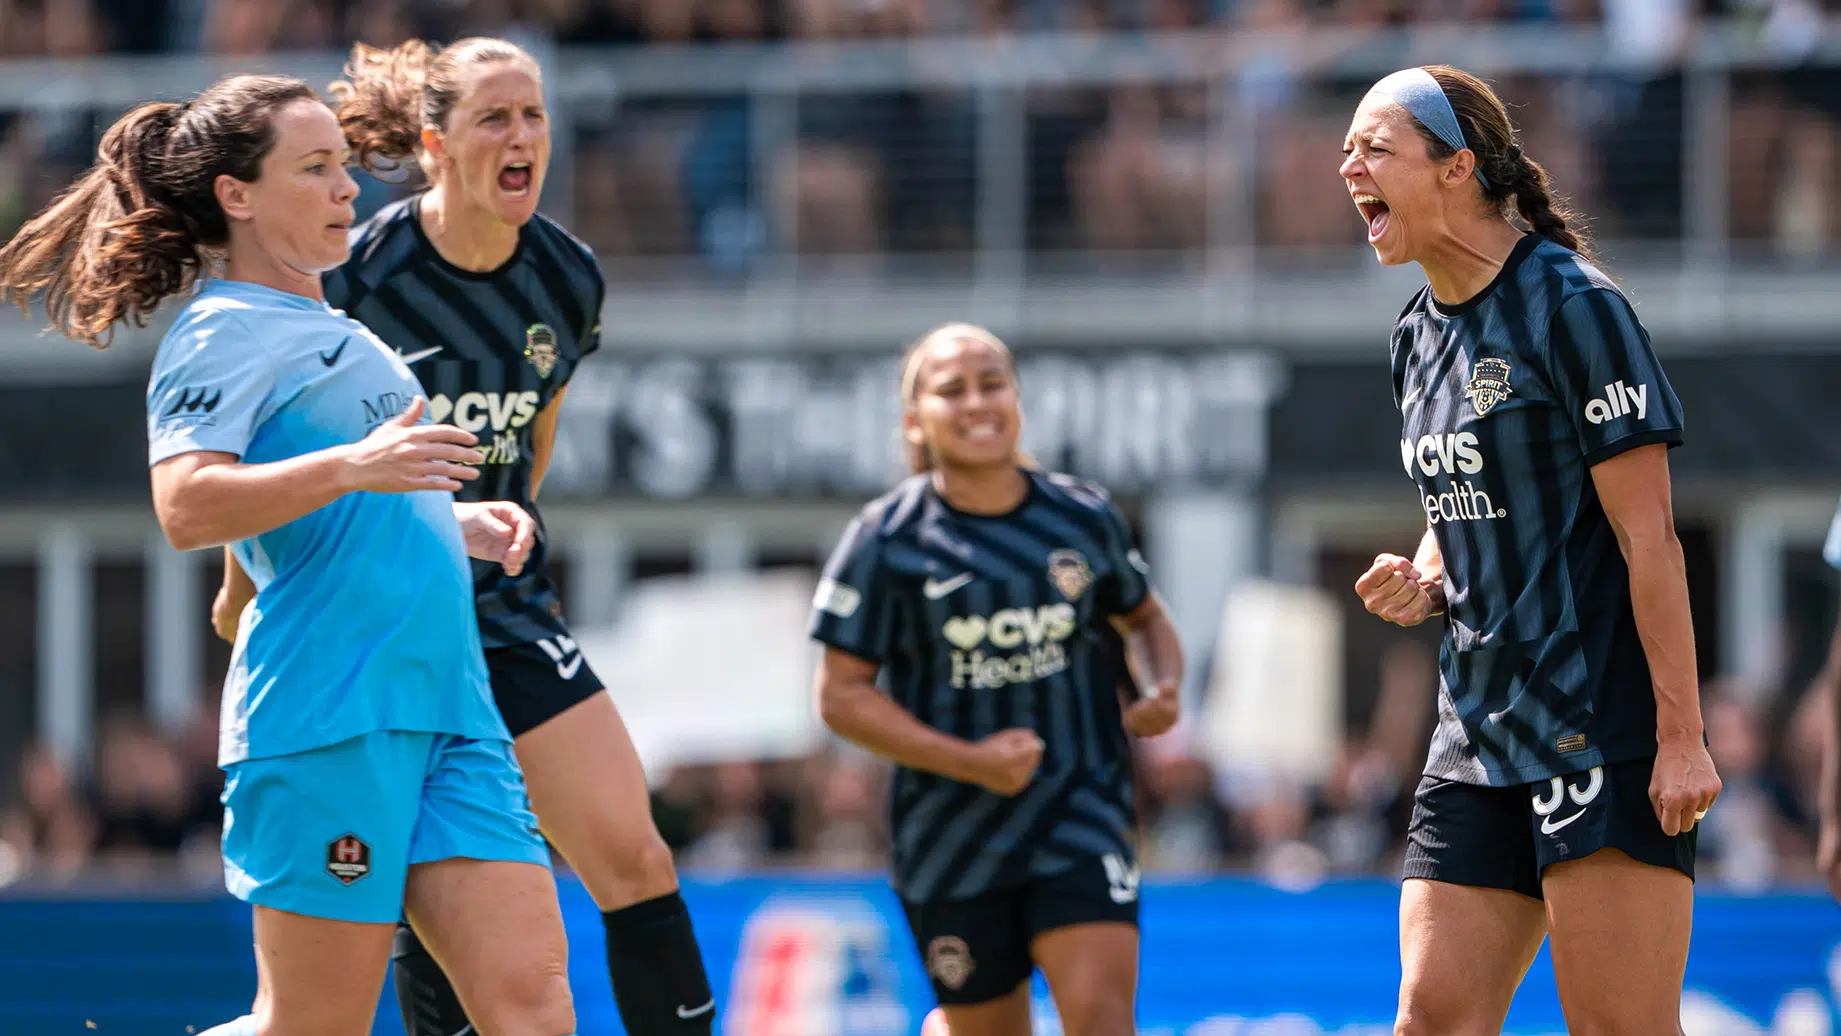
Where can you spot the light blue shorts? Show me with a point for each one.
(332, 832)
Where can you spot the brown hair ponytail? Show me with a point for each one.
(1485, 123)
(138, 226)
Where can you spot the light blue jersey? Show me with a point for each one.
(363, 618)
(1831, 550)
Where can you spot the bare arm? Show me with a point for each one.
(1634, 490)
(1151, 642)
(851, 704)
(207, 499)
(1155, 653)
(1828, 791)
(236, 593)
(1431, 566)
(543, 439)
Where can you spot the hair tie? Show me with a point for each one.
(1418, 92)
(1515, 153)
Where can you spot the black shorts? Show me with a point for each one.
(1506, 838)
(534, 683)
(977, 949)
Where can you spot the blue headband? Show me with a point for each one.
(1415, 90)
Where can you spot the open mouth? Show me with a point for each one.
(1375, 213)
(982, 431)
(515, 178)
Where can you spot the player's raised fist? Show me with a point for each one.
(1394, 589)
(1007, 760)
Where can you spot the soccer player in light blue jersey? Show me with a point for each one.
(1828, 685)
(367, 771)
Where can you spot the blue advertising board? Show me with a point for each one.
(815, 956)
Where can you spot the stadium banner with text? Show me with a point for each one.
(678, 426)
(811, 956)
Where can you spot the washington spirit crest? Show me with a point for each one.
(540, 348)
(1489, 385)
(950, 961)
(1068, 570)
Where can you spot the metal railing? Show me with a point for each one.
(1234, 277)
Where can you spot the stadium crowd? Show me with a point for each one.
(150, 809)
(1112, 172)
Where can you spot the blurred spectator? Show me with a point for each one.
(1185, 828)
(48, 827)
(735, 835)
(142, 798)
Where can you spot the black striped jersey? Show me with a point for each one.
(1507, 401)
(982, 623)
(491, 350)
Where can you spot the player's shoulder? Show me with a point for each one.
(1073, 493)
(1555, 275)
(211, 313)
(897, 511)
(566, 248)
(381, 245)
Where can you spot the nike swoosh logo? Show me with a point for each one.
(1549, 827)
(465, 1031)
(333, 357)
(687, 1013)
(423, 355)
(934, 589)
(567, 670)
(1411, 396)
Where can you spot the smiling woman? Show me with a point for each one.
(1002, 606)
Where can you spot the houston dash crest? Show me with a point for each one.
(1489, 385)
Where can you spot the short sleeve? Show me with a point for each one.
(1831, 550)
(1607, 377)
(210, 389)
(852, 610)
(1128, 583)
(589, 340)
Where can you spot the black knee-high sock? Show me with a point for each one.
(657, 969)
(427, 999)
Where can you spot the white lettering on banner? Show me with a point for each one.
(681, 426)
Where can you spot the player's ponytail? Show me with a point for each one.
(1512, 177)
(140, 225)
(1526, 181)
(387, 97)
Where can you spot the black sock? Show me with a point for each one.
(427, 999)
(657, 969)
